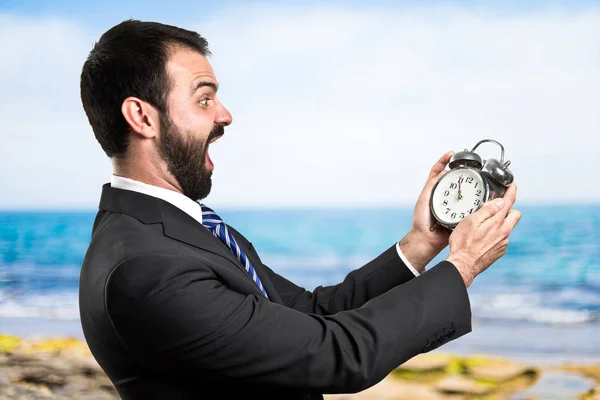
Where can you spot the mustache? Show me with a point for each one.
(216, 132)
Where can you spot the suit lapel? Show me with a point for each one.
(184, 228)
(191, 232)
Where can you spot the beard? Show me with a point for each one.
(186, 157)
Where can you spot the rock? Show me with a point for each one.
(425, 368)
(55, 369)
(457, 384)
(4, 378)
(91, 395)
(558, 384)
(18, 358)
(77, 384)
(22, 392)
(64, 369)
(426, 363)
(593, 394)
(393, 389)
(4, 359)
(500, 372)
(41, 375)
(593, 371)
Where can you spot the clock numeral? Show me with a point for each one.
(462, 215)
(471, 211)
(453, 185)
(476, 183)
(453, 215)
(478, 193)
(470, 179)
(446, 193)
(461, 179)
(447, 210)
(477, 202)
(445, 202)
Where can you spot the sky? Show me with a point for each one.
(334, 104)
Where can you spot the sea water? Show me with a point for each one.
(541, 300)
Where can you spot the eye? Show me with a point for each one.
(204, 101)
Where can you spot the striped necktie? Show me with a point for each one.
(215, 224)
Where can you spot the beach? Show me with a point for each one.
(62, 367)
(48, 358)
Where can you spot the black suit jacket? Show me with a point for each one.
(169, 313)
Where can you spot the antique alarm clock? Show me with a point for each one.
(468, 184)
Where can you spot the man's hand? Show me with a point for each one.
(482, 237)
(421, 244)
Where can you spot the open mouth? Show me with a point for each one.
(208, 160)
(215, 138)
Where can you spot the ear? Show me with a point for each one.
(141, 116)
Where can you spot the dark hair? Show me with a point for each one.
(129, 60)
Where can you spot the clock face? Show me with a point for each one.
(459, 192)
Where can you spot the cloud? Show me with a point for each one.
(332, 106)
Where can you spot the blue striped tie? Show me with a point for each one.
(215, 224)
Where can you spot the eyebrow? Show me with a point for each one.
(200, 84)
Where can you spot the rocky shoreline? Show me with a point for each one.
(62, 368)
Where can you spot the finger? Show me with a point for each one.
(511, 220)
(488, 210)
(440, 165)
(510, 196)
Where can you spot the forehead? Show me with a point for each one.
(185, 67)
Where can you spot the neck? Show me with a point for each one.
(145, 172)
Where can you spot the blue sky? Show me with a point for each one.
(334, 103)
(100, 13)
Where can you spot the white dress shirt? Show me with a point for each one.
(188, 205)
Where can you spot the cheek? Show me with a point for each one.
(194, 122)
(201, 128)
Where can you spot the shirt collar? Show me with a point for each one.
(177, 199)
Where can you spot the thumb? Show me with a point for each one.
(488, 210)
(440, 165)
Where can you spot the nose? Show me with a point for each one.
(223, 117)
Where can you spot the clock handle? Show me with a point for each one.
(497, 170)
(493, 141)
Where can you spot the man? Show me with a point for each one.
(176, 304)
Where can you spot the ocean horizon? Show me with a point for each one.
(541, 300)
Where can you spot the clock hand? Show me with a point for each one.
(459, 193)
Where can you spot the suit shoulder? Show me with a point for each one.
(116, 237)
(144, 274)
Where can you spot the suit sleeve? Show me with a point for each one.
(374, 278)
(359, 286)
(175, 315)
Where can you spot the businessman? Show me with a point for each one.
(177, 304)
